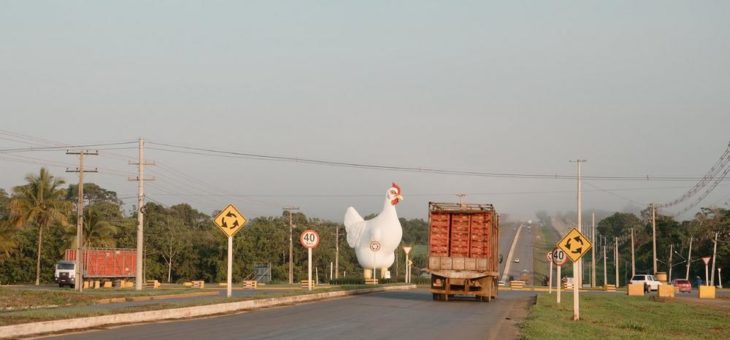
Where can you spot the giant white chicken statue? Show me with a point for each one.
(376, 240)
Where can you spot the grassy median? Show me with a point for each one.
(18, 298)
(615, 316)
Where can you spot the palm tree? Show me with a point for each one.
(7, 243)
(41, 203)
(98, 231)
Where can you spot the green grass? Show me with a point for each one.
(21, 297)
(614, 316)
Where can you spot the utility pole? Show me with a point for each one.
(615, 259)
(689, 258)
(653, 234)
(633, 261)
(605, 269)
(671, 250)
(291, 244)
(578, 266)
(337, 250)
(79, 280)
(140, 212)
(593, 250)
(714, 256)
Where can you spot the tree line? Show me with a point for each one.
(673, 243)
(38, 223)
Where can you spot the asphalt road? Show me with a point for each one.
(522, 252)
(506, 235)
(522, 270)
(389, 315)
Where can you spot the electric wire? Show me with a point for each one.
(234, 154)
(710, 179)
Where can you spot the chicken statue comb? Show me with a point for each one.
(397, 187)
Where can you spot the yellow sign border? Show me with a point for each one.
(230, 232)
(571, 235)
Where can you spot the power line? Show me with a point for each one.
(262, 157)
(59, 147)
(712, 178)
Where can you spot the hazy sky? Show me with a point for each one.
(636, 88)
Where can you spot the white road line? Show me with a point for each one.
(509, 255)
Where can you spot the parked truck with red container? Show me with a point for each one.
(463, 250)
(99, 264)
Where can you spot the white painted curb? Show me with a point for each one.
(36, 328)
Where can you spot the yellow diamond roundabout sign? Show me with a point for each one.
(230, 220)
(575, 244)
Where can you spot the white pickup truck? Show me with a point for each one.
(649, 282)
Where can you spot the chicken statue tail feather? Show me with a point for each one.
(354, 225)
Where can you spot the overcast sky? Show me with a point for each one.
(636, 88)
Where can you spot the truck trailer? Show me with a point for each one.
(100, 264)
(463, 250)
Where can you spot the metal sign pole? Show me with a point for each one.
(230, 221)
(557, 284)
(309, 266)
(230, 266)
(576, 300)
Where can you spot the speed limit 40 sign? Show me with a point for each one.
(309, 239)
(559, 257)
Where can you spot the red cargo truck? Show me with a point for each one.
(463, 250)
(104, 264)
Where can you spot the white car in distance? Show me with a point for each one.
(649, 282)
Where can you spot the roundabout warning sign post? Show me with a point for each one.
(230, 221)
(575, 245)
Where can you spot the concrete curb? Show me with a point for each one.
(154, 297)
(43, 327)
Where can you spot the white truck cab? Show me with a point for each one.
(65, 273)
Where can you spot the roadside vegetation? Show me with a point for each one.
(38, 223)
(19, 298)
(617, 316)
